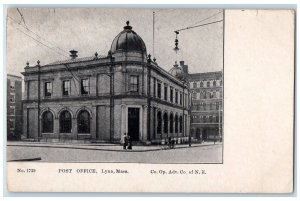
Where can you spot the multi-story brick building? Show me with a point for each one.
(14, 107)
(102, 97)
(207, 105)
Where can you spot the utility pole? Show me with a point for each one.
(153, 32)
(189, 114)
(111, 102)
(39, 91)
(148, 96)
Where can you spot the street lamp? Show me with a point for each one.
(176, 49)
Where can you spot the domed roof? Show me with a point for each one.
(176, 71)
(128, 41)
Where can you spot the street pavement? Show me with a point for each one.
(61, 152)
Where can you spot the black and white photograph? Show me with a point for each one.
(115, 85)
(148, 99)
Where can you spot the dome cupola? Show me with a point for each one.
(176, 71)
(128, 41)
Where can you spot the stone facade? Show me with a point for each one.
(14, 107)
(207, 105)
(100, 98)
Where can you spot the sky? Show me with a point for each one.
(90, 30)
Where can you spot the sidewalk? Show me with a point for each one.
(105, 146)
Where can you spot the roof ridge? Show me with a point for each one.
(79, 59)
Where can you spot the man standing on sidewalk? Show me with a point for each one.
(124, 140)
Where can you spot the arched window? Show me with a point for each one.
(217, 105)
(180, 124)
(208, 83)
(65, 122)
(159, 122)
(214, 83)
(201, 84)
(83, 122)
(194, 85)
(204, 119)
(171, 123)
(214, 95)
(165, 123)
(210, 119)
(176, 124)
(211, 106)
(217, 119)
(220, 82)
(47, 122)
(204, 106)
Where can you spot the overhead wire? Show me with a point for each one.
(22, 17)
(190, 27)
(208, 18)
(26, 27)
(52, 48)
(42, 43)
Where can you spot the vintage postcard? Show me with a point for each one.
(149, 100)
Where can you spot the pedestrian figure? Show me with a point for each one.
(129, 143)
(125, 140)
(169, 142)
(173, 143)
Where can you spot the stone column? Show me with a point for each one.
(154, 123)
(56, 127)
(93, 85)
(26, 90)
(144, 124)
(74, 128)
(126, 119)
(25, 122)
(168, 133)
(93, 123)
(123, 119)
(184, 125)
(174, 124)
(162, 124)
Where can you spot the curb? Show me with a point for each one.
(99, 149)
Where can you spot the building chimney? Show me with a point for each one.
(185, 69)
(181, 63)
(73, 54)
